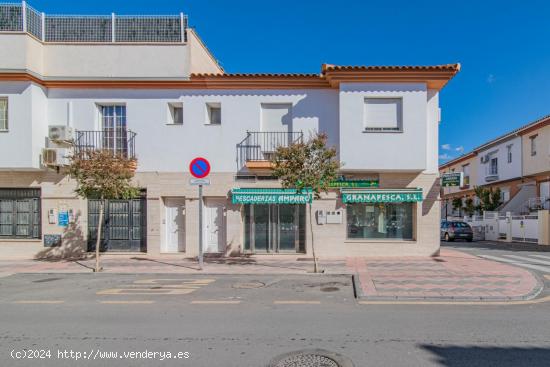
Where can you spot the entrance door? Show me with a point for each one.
(214, 225)
(274, 228)
(174, 225)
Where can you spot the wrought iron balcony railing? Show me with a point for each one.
(118, 141)
(261, 145)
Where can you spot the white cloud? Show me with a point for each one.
(491, 79)
(444, 156)
(460, 149)
(446, 147)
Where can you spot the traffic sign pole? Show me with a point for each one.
(200, 228)
(200, 168)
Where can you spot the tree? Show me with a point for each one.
(307, 165)
(102, 175)
(489, 199)
(469, 207)
(457, 204)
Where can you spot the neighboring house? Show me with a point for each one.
(175, 104)
(518, 163)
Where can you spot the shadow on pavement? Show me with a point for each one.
(472, 356)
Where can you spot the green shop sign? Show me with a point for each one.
(382, 196)
(353, 183)
(452, 179)
(271, 196)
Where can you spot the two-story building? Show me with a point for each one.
(517, 163)
(72, 82)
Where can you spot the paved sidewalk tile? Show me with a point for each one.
(452, 275)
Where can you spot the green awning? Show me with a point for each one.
(381, 195)
(270, 196)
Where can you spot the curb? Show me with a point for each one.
(536, 291)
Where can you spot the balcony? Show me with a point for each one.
(256, 151)
(120, 142)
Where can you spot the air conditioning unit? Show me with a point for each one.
(58, 133)
(55, 157)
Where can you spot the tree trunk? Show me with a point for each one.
(98, 242)
(315, 267)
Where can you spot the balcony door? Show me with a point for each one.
(115, 131)
(276, 127)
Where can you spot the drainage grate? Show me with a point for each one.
(311, 358)
(330, 289)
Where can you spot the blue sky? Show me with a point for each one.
(503, 46)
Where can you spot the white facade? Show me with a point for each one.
(508, 162)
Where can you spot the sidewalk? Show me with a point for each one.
(454, 275)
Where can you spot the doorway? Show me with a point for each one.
(174, 225)
(274, 228)
(214, 225)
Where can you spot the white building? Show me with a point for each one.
(175, 104)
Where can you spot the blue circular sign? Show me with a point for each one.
(199, 167)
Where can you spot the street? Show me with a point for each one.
(248, 320)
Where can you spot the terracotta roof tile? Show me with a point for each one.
(444, 67)
(253, 75)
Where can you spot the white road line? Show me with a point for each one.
(542, 256)
(41, 302)
(198, 302)
(297, 302)
(544, 269)
(540, 262)
(127, 302)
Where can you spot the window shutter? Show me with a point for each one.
(383, 114)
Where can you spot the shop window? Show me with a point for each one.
(383, 115)
(380, 221)
(19, 213)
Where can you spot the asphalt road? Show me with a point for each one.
(248, 320)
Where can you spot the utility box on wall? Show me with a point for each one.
(334, 217)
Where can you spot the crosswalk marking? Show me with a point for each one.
(536, 261)
(544, 269)
(542, 256)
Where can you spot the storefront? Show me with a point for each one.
(381, 214)
(274, 219)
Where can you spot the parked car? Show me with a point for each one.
(453, 230)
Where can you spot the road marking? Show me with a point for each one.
(454, 303)
(541, 256)
(143, 291)
(158, 287)
(297, 302)
(41, 302)
(127, 302)
(215, 302)
(530, 266)
(536, 261)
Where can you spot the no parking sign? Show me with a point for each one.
(199, 167)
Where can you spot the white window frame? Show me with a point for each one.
(495, 171)
(7, 125)
(533, 146)
(398, 129)
(209, 106)
(509, 153)
(172, 113)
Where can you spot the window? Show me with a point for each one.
(509, 153)
(176, 113)
(3, 114)
(533, 145)
(114, 130)
(466, 174)
(19, 213)
(383, 115)
(493, 168)
(214, 113)
(380, 220)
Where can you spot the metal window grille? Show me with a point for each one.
(34, 22)
(20, 213)
(11, 17)
(62, 28)
(147, 29)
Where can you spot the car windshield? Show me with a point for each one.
(460, 224)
